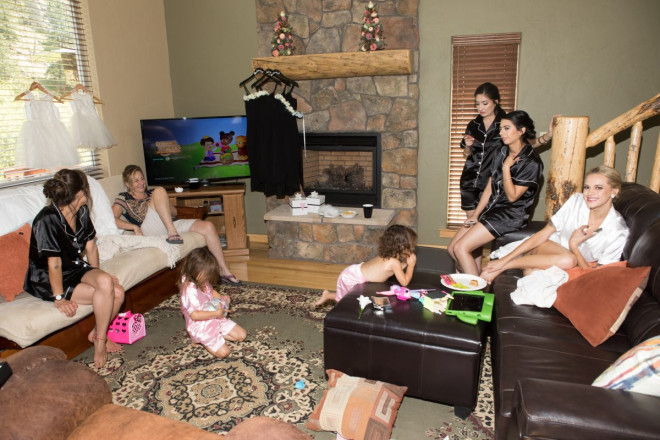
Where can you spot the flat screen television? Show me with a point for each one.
(210, 148)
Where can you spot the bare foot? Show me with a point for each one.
(110, 345)
(100, 352)
(325, 296)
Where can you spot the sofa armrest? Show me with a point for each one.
(25, 360)
(560, 410)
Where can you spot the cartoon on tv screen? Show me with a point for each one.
(176, 150)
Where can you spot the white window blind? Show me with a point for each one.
(43, 41)
(476, 59)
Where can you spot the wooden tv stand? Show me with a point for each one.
(230, 222)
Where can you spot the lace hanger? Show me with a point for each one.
(79, 88)
(268, 76)
(36, 86)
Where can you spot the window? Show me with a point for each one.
(43, 41)
(476, 59)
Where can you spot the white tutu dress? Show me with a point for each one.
(87, 128)
(44, 141)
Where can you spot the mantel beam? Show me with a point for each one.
(339, 65)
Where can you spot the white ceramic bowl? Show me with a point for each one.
(348, 214)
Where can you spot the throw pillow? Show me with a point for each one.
(637, 370)
(357, 408)
(14, 251)
(102, 216)
(597, 302)
(577, 271)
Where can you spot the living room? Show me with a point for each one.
(166, 58)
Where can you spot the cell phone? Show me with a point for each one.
(466, 303)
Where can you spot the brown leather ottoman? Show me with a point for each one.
(437, 357)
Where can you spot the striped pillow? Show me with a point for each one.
(357, 408)
(636, 370)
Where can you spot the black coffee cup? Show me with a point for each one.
(368, 210)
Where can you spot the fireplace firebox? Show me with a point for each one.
(345, 167)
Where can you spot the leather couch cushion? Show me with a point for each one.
(265, 428)
(598, 302)
(55, 397)
(118, 422)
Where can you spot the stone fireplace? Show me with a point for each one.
(345, 167)
(385, 105)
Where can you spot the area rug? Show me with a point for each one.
(276, 372)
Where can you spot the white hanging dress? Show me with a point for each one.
(44, 141)
(87, 128)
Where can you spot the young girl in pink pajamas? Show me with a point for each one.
(396, 256)
(205, 325)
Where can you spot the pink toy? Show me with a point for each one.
(403, 293)
(127, 328)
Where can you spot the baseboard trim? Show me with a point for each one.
(258, 238)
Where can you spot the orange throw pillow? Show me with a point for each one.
(577, 271)
(14, 251)
(597, 302)
(357, 408)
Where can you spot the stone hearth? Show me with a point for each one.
(384, 104)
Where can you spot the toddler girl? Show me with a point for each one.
(396, 256)
(205, 309)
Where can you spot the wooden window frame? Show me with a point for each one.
(476, 59)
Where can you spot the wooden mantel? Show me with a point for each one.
(339, 65)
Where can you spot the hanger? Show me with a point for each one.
(36, 86)
(258, 71)
(79, 88)
(266, 78)
(285, 79)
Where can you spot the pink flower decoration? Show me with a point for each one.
(369, 36)
(373, 46)
(282, 36)
(275, 53)
(363, 34)
(280, 47)
(376, 20)
(287, 44)
(366, 13)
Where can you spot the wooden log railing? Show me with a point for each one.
(571, 140)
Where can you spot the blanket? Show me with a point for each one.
(540, 287)
(111, 245)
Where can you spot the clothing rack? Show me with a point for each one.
(36, 86)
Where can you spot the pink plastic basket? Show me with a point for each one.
(127, 328)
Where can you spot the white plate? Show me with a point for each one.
(348, 214)
(331, 216)
(465, 280)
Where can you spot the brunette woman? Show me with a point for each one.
(507, 198)
(62, 233)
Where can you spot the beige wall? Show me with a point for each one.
(211, 46)
(133, 72)
(589, 57)
(570, 63)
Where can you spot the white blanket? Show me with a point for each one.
(111, 245)
(539, 288)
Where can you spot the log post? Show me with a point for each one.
(610, 151)
(567, 161)
(633, 152)
(655, 174)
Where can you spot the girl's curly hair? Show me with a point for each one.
(397, 242)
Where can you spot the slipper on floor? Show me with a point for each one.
(174, 239)
(231, 279)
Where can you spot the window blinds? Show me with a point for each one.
(43, 41)
(476, 59)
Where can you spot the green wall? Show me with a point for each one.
(590, 57)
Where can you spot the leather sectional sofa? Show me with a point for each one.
(543, 367)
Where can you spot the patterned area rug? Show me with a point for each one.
(165, 374)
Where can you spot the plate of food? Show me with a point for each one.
(462, 281)
(348, 214)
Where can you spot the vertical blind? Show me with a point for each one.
(43, 41)
(476, 59)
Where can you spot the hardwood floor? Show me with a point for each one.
(297, 273)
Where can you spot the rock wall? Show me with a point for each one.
(384, 104)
